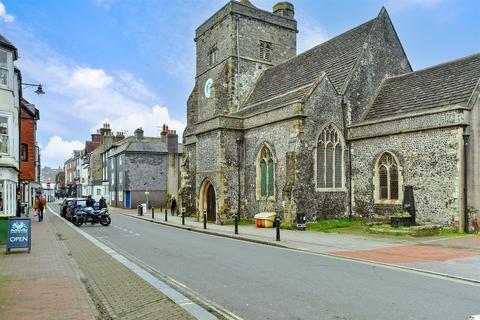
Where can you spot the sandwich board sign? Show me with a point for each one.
(19, 234)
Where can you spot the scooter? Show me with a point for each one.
(89, 214)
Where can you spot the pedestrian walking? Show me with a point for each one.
(42, 203)
(36, 206)
(173, 205)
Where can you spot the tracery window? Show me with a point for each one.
(388, 175)
(265, 50)
(329, 159)
(212, 55)
(266, 172)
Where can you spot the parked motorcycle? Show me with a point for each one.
(89, 214)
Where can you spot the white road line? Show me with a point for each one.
(192, 308)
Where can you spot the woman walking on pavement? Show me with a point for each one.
(41, 206)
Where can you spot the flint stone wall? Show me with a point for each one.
(429, 161)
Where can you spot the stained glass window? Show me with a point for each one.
(330, 153)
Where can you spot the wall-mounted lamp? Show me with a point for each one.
(39, 90)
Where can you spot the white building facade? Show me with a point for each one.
(10, 84)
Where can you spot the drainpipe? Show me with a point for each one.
(466, 137)
(349, 147)
(237, 20)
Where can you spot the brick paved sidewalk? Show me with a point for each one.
(118, 292)
(44, 284)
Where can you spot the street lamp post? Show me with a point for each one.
(237, 215)
(39, 90)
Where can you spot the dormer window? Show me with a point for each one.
(3, 68)
(265, 50)
(212, 55)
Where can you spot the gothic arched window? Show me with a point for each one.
(265, 173)
(388, 177)
(329, 159)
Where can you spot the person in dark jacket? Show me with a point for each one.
(102, 203)
(173, 205)
(90, 201)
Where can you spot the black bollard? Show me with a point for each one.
(236, 223)
(166, 215)
(183, 216)
(204, 220)
(153, 214)
(277, 224)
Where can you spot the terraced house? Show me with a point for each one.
(340, 129)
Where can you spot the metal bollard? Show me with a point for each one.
(166, 214)
(277, 224)
(236, 223)
(183, 216)
(205, 220)
(153, 213)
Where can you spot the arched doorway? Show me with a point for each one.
(211, 204)
(207, 200)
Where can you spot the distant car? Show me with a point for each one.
(72, 205)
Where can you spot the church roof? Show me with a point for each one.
(336, 57)
(450, 83)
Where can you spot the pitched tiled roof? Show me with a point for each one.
(336, 57)
(291, 97)
(449, 83)
(147, 144)
(5, 43)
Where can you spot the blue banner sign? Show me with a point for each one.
(19, 232)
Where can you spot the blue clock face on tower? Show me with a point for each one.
(208, 88)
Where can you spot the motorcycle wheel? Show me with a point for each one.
(77, 222)
(105, 221)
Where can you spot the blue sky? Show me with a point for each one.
(132, 62)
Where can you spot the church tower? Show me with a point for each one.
(234, 46)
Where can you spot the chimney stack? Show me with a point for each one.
(284, 9)
(138, 133)
(172, 141)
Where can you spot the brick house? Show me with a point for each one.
(29, 156)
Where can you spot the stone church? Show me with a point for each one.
(336, 130)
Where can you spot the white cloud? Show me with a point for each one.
(88, 78)
(151, 122)
(4, 15)
(58, 150)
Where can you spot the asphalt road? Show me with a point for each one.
(262, 282)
